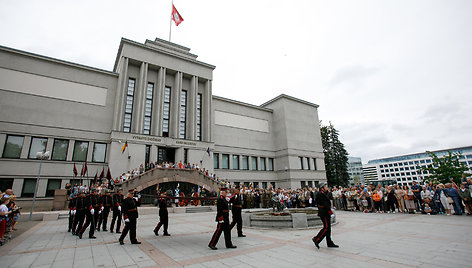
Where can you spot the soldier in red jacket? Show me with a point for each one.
(222, 218)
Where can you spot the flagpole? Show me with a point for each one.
(170, 21)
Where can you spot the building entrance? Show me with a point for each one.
(166, 155)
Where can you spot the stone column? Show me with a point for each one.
(206, 112)
(192, 108)
(158, 98)
(175, 106)
(137, 121)
(120, 95)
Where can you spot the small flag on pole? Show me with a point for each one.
(74, 170)
(124, 147)
(176, 16)
(102, 175)
(95, 179)
(109, 178)
(208, 151)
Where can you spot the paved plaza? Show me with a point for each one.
(366, 240)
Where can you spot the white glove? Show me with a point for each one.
(92, 211)
(135, 198)
(127, 220)
(119, 208)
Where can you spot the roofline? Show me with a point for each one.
(425, 152)
(131, 42)
(42, 57)
(290, 98)
(243, 103)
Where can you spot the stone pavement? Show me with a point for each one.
(366, 240)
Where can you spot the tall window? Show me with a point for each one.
(300, 162)
(183, 114)
(13, 146)
(52, 185)
(264, 185)
(263, 163)
(314, 164)
(271, 164)
(216, 160)
(37, 145)
(245, 162)
(166, 112)
(147, 154)
(99, 152)
(59, 149)
(29, 186)
(308, 163)
(254, 162)
(148, 109)
(129, 105)
(236, 162)
(225, 161)
(80, 151)
(199, 117)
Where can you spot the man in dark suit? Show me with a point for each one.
(130, 215)
(107, 202)
(222, 218)
(163, 215)
(324, 212)
(236, 209)
(117, 200)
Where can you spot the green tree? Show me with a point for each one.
(446, 167)
(335, 156)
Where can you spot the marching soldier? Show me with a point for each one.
(106, 202)
(236, 210)
(324, 212)
(130, 215)
(90, 205)
(72, 212)
(117, 200)
(80, 205)
(163, 216)
(222, 218)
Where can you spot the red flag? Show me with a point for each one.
(84, 170)
(176, 16)
(74, 170)
(102, 174)
(109, 175)
(95, 179)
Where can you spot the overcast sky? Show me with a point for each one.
(394, 77)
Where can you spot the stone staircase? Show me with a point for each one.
(198, 209)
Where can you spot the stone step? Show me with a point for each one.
(198, 209)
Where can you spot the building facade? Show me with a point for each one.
(158, 100)
(405, 169)
(354, 169)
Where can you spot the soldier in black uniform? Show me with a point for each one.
(91, 202)
(324, 212)
(117, 200)
(222, 217)
(71, 213)
(163, 215)
(107, 203)
(80, 205)
(130, 214)
(236, 208)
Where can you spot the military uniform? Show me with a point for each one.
(80, 207)
(236, 209)
(163, 217)
(117, 201)
(222, 218)
(324, 212)
(91, 202)
(107, 202)
(130, 215)
(71, 214)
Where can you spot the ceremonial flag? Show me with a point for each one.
(95, 179)
(83, 172)
(176, 16)
(109, 178)
(124, 146)
(208, 151)
(102, 174)
(74, 170)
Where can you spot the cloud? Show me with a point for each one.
(356, 74)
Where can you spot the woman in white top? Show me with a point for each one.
(3, 216)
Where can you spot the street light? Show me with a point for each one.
(41, 156)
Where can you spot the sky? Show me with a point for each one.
(394, 77)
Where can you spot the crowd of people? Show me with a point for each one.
(9, 213)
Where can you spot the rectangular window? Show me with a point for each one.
(99, 152)
(199, 117)
(147, 154)
(29, 186)
(148, 109)
(255, 184)
(185, 155)
(80, 151)
(272, 184)
(300, 163)
(245, 162)
(166, 112)
(303, 184)
(264, 185)
(52, 185)
(263, 163)
(308, 166)
(37, 145)
(314, 164)
(183, 114)
(216, 160)
(271, 164)
(310, 183)
(129, 105)
(225, 161)
(59, 149)
(13, 146)
(254, 162)
(5, 184)
(236, 162)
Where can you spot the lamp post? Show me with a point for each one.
(41, 156)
